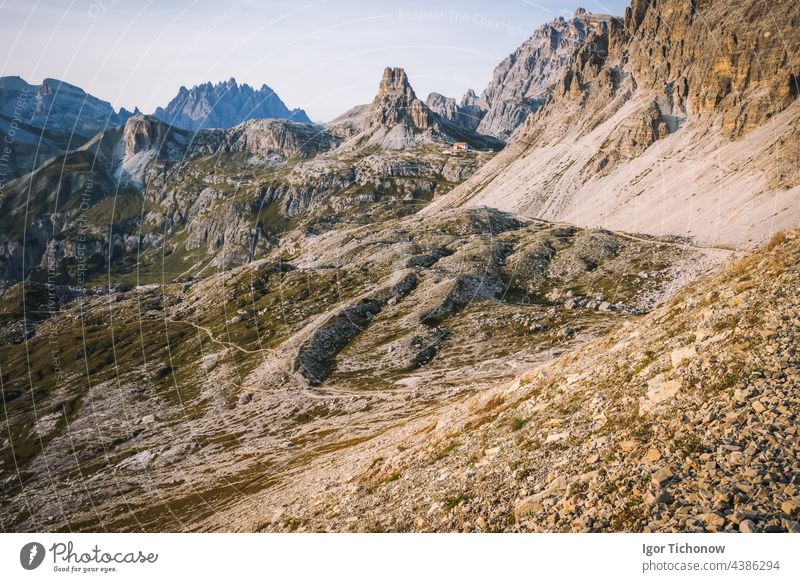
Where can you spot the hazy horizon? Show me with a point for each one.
(322, 56)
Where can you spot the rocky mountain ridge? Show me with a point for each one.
(466, 113)
(522, 82)
(224, 105)
(397, 119)
(654, 128)
(57, 106)
(38, 122)
(225, 195)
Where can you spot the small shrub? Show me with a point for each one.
(518, 423)
(451, 502)
(449, 448)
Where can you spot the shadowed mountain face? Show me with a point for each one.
(58, 107)
(38, 122)
(224, 105)
(466, 114)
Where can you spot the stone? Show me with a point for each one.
(659, 390)
(527, 506)
(627, 446)
(651, 456)
(758, 407)
(556, 437)
(713, 521)
(791, 506)
(747, 526)
(736, 458)
(664, 498)
(662, 477)
(680, 355)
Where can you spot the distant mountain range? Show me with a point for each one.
(38, 122)
(43, 121)
(224, 105)
(56, 106)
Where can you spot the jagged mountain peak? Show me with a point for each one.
(622, 107)
(225, 104)
(469, 98)
(396, 103)
(521, 83)
(466, 114)
(397, 119)
(395, 81)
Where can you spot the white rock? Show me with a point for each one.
(659, 390)
(680, 355)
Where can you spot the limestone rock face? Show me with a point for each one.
(350, 122)
(139, 160)
(397, 119)
(467, 114)
(396, 103)
(444, 106)
(470, 113)
(262, 137)
(521, 83)
(737, 62)
(225, 105)
(681, 105)
(143, 133)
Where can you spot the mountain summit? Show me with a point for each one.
(225, 105)
(521, 83)
(397, 119)
(397, 104)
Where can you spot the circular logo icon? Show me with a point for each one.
(31, 555)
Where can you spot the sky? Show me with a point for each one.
(322, 55)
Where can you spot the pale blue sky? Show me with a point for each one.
(322, 55)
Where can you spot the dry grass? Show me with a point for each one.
(777, 240)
